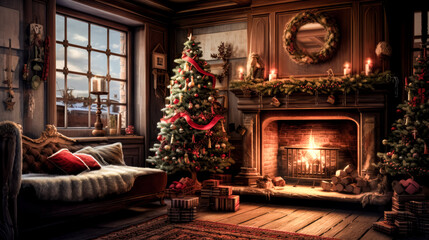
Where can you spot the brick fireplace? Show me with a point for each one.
(306, 137)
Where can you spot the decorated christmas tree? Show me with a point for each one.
(407, 146)
(192, 133)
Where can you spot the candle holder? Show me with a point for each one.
(98, 88)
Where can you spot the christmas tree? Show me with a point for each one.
(407, 144)
(192, 133)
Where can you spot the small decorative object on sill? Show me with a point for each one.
(241, 74)
(331, 99)
(129, 130)
(272, 76)
(275, 102)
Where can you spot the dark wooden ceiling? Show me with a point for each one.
(188, 6)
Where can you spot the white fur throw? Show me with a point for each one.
(110, 179)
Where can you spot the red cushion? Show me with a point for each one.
(88, 160)
(67, 163)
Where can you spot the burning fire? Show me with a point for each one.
(311, 157)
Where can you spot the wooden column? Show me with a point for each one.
(50, 92)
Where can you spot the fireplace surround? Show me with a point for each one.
(351, 129)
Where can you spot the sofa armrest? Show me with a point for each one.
(10, 177)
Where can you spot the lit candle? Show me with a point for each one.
(346, 69)
(272, 75)
(368, 66)
(241, 74)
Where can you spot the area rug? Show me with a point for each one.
(161, 228)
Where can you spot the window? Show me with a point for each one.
(86, 49)
(420, 33)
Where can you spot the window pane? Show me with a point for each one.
(59, 85)
(117, 41)
(77, 114)
(59, 25)
(78, 87)
(77, 32)
(417, 23)
(77, 59)
(60, 113)
(59, 49)
(118, 92)
(98, 63)
(98, 37)
(118, 67)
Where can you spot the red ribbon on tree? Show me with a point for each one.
(185, 115)
(195, 64)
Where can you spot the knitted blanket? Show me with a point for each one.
(110, 179)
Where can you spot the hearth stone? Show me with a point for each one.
(310, 193)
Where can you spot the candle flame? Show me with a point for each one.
(369, 61)
(346, 65)
(273, 71)
(240, 70)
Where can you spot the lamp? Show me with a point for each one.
(98, 88)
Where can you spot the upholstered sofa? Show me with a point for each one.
(32, 196)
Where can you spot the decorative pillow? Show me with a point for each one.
(88, 160)
(94, 153)
(112, 153)
(67, 163)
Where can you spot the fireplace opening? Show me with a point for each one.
(308, 149)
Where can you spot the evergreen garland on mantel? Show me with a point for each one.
(328, 85)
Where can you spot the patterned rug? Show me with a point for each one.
(161, 228)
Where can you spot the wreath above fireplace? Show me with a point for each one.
(302, 55)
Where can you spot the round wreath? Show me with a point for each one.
(301, 56)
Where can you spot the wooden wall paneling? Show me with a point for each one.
(287, 67)
(371, 31)
(156, 34)
(273, 47)
(259, 42)
(355, 62)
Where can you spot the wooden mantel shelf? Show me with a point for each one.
(296, 101)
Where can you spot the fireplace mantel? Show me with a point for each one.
(371, 100)
(366, 110)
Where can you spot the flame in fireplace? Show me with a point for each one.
(311, 157)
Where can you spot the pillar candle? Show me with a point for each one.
(118, 127)
(272, 76)
(241, 74)
(346, 69)
(368, 66)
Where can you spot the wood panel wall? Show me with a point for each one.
(361, 26)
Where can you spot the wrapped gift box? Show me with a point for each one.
(182, 215)
(227, 203)
(186, 202)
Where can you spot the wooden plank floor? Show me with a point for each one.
(326, 222)
(331, 222)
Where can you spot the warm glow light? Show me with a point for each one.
(240, 70)
(273, 71)
(346, 65)
(369, 61)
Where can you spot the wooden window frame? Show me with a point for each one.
(84, 131)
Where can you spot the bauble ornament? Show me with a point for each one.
(415, 155)
(181, 130)
(167, 147)
(196, 95)
(190, 105)
(173, 127)
(217, 146)
(384, 142)
(197, 106)
(211, 99)
(223, 145)
(176, 101)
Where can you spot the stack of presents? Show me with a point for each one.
(218, 197)
(410, 211)
(183, 209)
(214, 195)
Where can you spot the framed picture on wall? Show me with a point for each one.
(159, 61)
